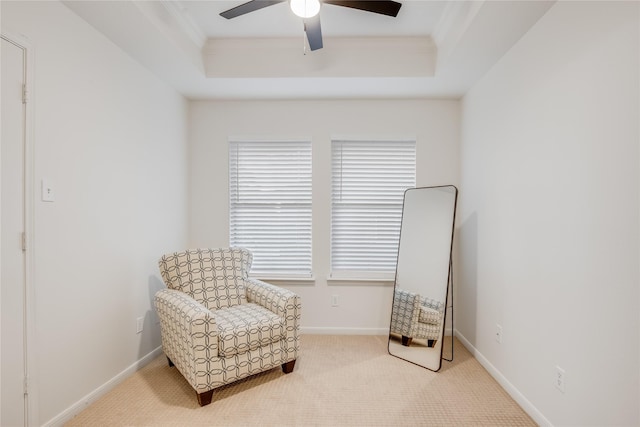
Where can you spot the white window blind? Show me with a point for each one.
(368, 183)
(270, 205)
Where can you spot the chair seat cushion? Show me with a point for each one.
(246, 327)
(429, 315)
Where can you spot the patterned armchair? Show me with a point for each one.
(218, 325)
(414, 316)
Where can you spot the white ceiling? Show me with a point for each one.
(365, 55)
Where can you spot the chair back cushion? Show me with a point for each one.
(213, 277)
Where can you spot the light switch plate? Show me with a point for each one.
(48, 195)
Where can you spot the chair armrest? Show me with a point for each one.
(282, 302)
(189, 334)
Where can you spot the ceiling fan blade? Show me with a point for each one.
(383, 7)
(248, 7)
(314, 32)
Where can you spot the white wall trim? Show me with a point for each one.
(269, 138)
(185, 22)
(82, 404)
(520, 399)
(344, 331)
(312, 330)
(29, 221)
(354, 281)
(374, 137)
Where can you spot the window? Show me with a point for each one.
(368, 183)
(270, 205)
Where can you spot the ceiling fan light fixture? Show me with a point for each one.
(305, 8)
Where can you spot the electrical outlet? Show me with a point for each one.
(139, 324)
(499, 334)
(334, 300)
(560, 378)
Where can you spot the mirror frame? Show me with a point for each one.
(449, 285)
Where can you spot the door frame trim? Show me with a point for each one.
(30, 351)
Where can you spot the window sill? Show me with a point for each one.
(286, 281)
(358, 281)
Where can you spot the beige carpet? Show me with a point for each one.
(337, 381)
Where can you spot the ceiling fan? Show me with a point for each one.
(309, 11)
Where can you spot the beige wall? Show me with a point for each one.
(112, 139)
(548, 222)
(363, 307)
(549, 216)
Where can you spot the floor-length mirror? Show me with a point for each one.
(421, 292)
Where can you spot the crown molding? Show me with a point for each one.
(456, 18)
(185, 22)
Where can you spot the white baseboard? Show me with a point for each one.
(80, 405)
(527, 406)
(344, 331)
(351, 331)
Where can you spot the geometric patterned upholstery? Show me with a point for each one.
(247, 327)
(217, 324)
(414, 316)
(213, 277)
(428, 315)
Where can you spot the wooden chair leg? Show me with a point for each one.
(406, 341)
(171, 365)
(205, 398)
(287, 368)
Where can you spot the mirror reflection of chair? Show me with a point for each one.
(423, 277)
(415, 316)
(218, 325)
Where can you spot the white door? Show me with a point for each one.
(12, 216)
